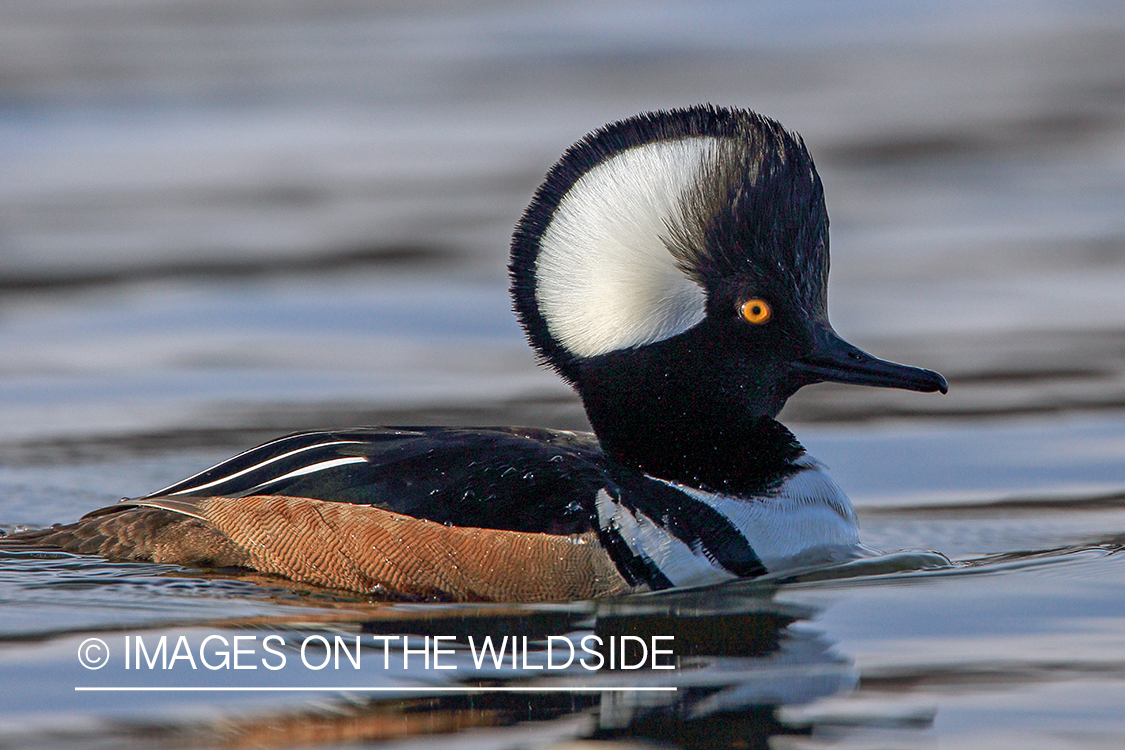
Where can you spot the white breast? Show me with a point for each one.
(808, 519)
(807, 514)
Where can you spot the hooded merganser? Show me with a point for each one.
(673, 269)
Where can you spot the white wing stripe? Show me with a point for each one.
(313, 468)
(267, 462)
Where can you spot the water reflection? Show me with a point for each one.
(753, 660)
(738, 655)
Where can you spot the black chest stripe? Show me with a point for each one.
(695, 523)
(636, 568)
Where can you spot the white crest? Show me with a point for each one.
(605, 279)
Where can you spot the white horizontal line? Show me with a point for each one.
(353, 689)
(312, 469)
(255, 467)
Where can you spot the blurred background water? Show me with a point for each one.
(224, 221)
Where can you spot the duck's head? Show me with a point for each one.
(674, 268)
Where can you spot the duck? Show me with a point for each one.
(673, 269)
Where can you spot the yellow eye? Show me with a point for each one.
(756, 311)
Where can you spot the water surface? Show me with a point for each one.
(222, 223)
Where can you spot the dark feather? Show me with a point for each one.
(501, 478)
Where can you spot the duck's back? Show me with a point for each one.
(509, 478)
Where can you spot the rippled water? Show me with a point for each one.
(222, 222)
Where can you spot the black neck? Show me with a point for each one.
(689, 425)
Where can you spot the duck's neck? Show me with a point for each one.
(688, 427)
